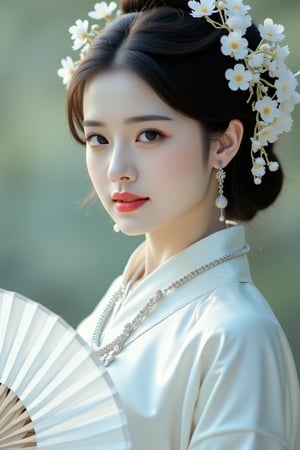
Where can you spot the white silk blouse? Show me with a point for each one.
(210, 368)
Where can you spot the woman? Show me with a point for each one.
(179, 129)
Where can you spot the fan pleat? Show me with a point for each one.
(5, 309)
(85, 398)
(15, 357)
(12, 414)
(18, 437)
(66, 392)
(73, 431)
(16, 428)
(34, 356)
(53, 371)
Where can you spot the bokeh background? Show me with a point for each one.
(65, 256)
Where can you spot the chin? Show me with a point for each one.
(129, 232)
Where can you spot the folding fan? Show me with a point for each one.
(54, 392)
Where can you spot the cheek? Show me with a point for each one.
(184, 160)
(96, 172)
(93, 166)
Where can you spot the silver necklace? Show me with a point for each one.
(108, 353)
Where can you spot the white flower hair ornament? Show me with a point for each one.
(274, 102)
(82, 37)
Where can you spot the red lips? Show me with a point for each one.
(127, 202)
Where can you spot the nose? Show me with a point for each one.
(121, 166)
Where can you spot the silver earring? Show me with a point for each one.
(116, 228)
(221, 200)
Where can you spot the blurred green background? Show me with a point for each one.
(65, 256)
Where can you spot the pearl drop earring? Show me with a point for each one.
(221, 201)
(116, 228)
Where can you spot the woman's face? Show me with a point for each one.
(145, 159)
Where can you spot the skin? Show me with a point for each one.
(159, 158)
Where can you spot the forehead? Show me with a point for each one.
(123, 92)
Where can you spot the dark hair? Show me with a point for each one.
(180, 58)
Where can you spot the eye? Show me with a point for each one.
(150, 135)
(96, 140)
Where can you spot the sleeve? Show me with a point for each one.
(249, 393)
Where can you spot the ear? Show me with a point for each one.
(226, 147)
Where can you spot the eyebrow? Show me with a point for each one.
(146, 118)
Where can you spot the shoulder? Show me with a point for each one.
(237, 307)
(243, 350)
(236, 322)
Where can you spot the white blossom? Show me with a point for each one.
(271, 31)
(256, 60)
(102, 10)
(258, 171)
(267, 135)
(255, 78)
(67, 70)
(237, 7)
(202, 8)
(280, 53)
(79, 33)
(256, 145)
(265, 47)
(234, 45)
(272, 67)
(238, 22)
(267, 108)
(283, 123)
(260, 161)
(273, 166)
(285, 85)
(238, 77)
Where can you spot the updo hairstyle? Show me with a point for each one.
(180, 58)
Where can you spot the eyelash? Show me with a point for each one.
(158, 135)
(95, 135)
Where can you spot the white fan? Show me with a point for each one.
(54, 392)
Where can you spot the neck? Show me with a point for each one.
(162, 245)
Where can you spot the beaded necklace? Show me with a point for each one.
(108, 353)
